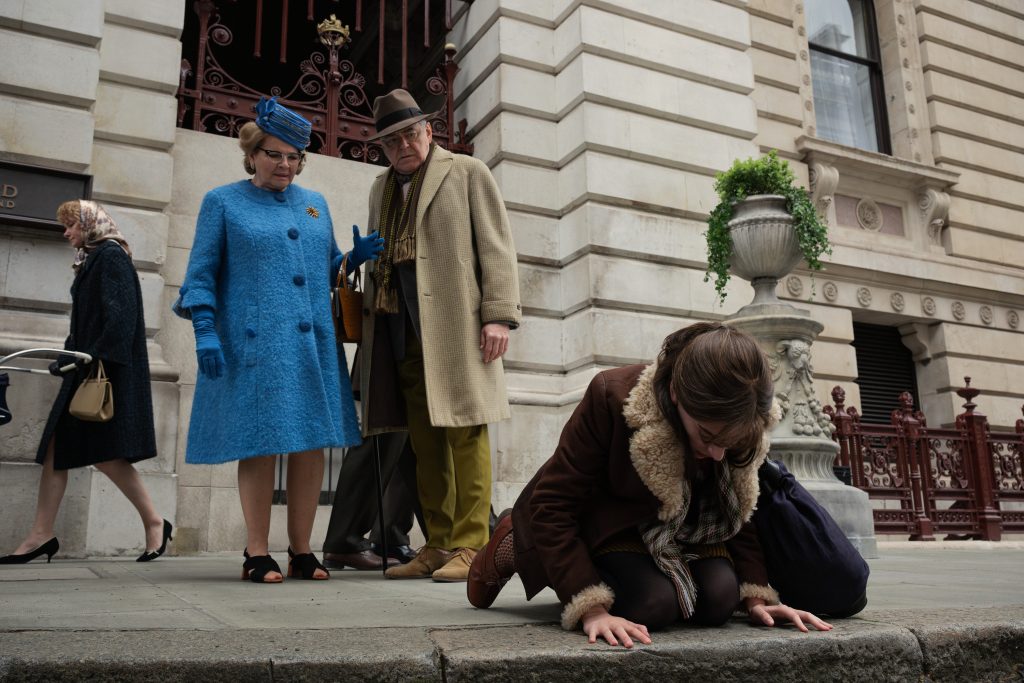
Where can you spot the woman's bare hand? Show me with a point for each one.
(598, 623)
(767, 614)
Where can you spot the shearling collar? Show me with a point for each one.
(657, 455)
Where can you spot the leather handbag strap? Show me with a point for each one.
(99, 371)
(341, 281)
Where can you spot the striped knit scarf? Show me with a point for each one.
(398, 228)
(671, 544)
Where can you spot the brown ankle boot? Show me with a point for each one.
(485, 582)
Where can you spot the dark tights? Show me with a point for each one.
(644, 595)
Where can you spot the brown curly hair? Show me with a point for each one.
(719, 374)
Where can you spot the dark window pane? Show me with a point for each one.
(843, 103)
(839, 25)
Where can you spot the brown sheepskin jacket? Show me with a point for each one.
(618, 465)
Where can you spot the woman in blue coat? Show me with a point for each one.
(272, 378)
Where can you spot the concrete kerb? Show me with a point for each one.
(936, 612)
(932, 645)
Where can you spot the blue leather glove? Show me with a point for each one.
(364, 248)
(208, 350)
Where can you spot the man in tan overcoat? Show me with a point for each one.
(439, 304)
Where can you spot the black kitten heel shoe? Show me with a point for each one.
(49, 549)
(153, 554)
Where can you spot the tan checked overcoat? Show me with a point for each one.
(466, 276)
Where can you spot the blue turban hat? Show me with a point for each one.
(281, 122)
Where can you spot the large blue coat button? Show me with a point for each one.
(293, 233)
(299, 280)
(305, 326)
(250, 333)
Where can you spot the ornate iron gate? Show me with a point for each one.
(221, 84)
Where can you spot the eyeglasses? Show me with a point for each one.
(278, 157)
(409, 135)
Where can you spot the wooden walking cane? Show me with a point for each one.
(380, 504)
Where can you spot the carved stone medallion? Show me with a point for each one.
(869, 215)
(831, 291)
(1012, 319)
(928, 305)
(896, 301)
(864, 296)
(986, 314)
(959, 310)
(794, 285)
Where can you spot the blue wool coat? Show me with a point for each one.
(264, 261)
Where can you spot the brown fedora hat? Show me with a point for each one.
(395, 111)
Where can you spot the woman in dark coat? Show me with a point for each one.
(107, 323)
(641, 518)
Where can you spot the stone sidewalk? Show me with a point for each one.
(940, 611)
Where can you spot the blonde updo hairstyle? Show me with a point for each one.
(251, 136)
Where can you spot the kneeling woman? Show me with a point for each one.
(641, 518)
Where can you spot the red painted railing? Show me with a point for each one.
(967, 482)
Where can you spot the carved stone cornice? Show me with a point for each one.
(874, 167)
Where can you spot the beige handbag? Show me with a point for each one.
(94, 399)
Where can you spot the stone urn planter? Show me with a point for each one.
(765, 247)
(763, 225)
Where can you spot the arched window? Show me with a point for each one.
(846, 73)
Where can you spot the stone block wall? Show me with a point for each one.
(953, 264)
(604, 124)
(89, 87)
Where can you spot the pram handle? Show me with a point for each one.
(45, 353)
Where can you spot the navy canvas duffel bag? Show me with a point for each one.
(810, 562)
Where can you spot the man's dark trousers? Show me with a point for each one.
(354, 512)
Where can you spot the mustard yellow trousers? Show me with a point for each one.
(453, 465)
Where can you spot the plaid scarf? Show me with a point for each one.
(671, 544)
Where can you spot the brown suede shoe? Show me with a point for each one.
(484, 581)
(457, 568)
(426, 562)
(366, 560)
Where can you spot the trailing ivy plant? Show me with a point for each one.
(766, 175)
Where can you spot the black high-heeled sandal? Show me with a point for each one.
(255, 568)
(49, 549)
(153, 554)
(304, 566)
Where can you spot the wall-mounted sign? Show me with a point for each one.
(30, 195)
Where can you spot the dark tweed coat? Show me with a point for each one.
(106, 323)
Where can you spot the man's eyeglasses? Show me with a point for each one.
(409, 135)
(278, 157)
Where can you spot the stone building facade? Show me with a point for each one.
(604, 123)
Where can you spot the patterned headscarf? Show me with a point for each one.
(97, 227)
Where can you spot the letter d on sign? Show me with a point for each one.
(9, 191)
